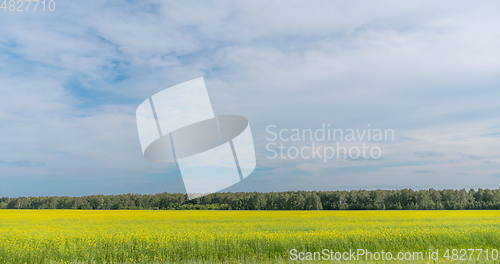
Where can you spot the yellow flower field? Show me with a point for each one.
(85, 236)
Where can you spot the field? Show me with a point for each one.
(80, 236)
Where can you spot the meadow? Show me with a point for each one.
(170, 236)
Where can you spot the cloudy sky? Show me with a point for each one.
(70, 82)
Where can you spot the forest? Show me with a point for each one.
(406, 199)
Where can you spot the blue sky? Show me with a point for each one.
(70, 82)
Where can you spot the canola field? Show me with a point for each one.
(86, 236)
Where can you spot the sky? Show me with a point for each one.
(71, 80)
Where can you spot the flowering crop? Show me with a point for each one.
(136, 236)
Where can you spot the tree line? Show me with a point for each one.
(405, 199)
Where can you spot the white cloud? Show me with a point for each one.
(426, 69)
